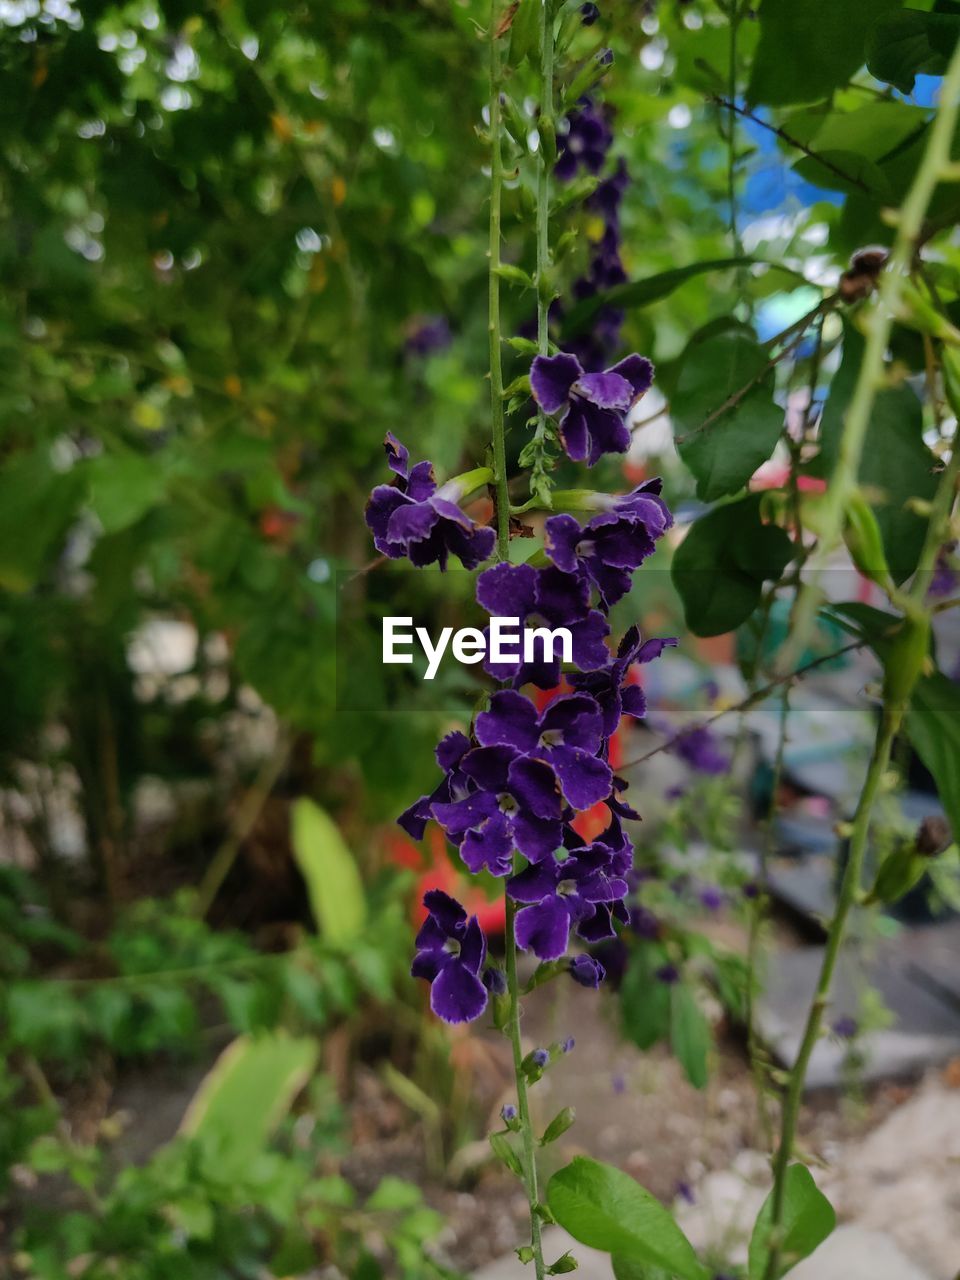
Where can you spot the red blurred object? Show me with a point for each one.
(435, 871)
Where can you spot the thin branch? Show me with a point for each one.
(782, 134)
(751, 700)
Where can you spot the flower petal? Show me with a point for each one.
(534, 785)
(561, 536)
(638, 371)
(507, 590)
(551, 378)
(544, 928)
(606, 390)
(510, 721)
(585, 779)
(457, 995)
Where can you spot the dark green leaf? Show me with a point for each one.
(640, 293)
(808, 1218)
(721, 565)
(896, 463)
(724, 451)
(933, 726)
(902, 46)
(607, 1209)
(689, 1034)
(645, 1002)
(807, 50)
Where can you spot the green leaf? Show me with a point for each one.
(933, 727)
(525, 31)
(723, 453)
(807, 50)
(37, 506)
(846, 171)
(902, 46)
(244, 1097)
(337, 898)
(124, 489)
(393, 1194)
(896, 463)
(720, 567)
(640, 293)
(689, 1035)
(808, 1218)
(629, 1269)
(645, 1002)
(607, 1209)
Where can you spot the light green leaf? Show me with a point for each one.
(902, 46)
(628, 1269)
(689, 1035)
(807, 50)
(724, 452)
(720, 567)
(808, 1218)
(607, 1209)
(337, 899)
(244, 1097)
(896, 463)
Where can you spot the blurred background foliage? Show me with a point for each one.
(240, 242)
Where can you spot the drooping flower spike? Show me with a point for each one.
(450, 951)
(591, 408)
(413, 518)
(585, 143)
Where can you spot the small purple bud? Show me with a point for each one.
(685, 1192)
(540, 1057)
(567, 1046)
(605, 57)
(508, 1112)
(668, 973)
(619, 1084)
(845, 1028)
(495, 980)
(589, 13)
(587, 971)
(751, 890)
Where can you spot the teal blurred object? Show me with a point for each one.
(827, 637)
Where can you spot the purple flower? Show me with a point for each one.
(413, 518)
(568, 1045)
(427, 334)
(561, 895)
(587, 971)
(700, 749)
(589, 13)
(710, 897)
(450, 950)
(668, 974)
(585, 143)
(544, 597)
(591, 408)
(453, 786)
(567, 736)
(610, 546)
(607, 198)
(508, 1112)
(614, 696)
(514, 804)
(495, 980)
(540, 1057)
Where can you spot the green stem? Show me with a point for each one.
(543, 275)
(527, 1157)
(880, 759)
(496, 361)
(843, 482)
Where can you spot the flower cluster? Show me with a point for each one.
(510, 791)
(413, 518)
(586, 145)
